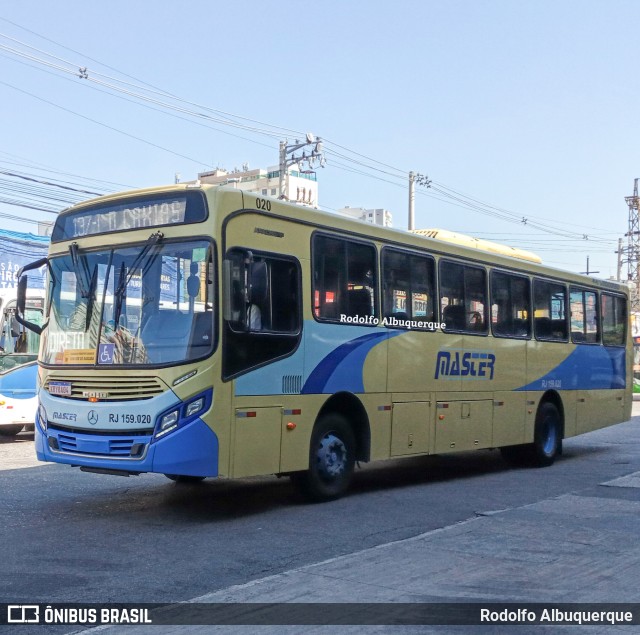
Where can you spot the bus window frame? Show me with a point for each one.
(514, 274)
(583, 290)
(269, 255)
(487, 307)
(375, 318)
(435, 288)
(625, 322)
(567, 310)
(139, 243)
(227, 329)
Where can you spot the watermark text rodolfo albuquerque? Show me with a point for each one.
(371, 320)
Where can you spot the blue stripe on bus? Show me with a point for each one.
(586, 368)
(342, 368)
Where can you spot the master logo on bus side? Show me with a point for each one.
(455, 363)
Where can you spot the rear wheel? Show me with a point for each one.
(547, 440)
(9, 431)
(331, 460)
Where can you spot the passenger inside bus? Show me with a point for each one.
(259, 294)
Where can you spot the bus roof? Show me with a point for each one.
(441, 242)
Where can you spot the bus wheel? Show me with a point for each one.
(547, 439)
(9, 431)
(181, 478)
(331, 460)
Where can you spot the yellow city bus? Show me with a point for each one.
(200, 331)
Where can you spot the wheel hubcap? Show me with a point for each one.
(550, 441)
(331, 457)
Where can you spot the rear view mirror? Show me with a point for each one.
(21, 301)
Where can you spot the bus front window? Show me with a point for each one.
(136, 305)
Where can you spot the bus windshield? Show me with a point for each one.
(132, 305)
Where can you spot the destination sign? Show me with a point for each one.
(134, 214)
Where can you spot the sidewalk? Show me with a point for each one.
(573, 548)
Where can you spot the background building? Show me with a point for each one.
(302, 186)
(377, 216)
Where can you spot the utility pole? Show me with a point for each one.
(420, 179)
(619, 252)
(286, 161)
(633, 246)
(587, 272)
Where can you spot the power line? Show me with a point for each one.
(104, 125)
(151, 95)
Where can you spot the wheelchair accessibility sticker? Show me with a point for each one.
(105, 353)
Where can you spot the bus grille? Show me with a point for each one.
(110, 388)
(129, 447)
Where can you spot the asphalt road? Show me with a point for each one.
(70, 536)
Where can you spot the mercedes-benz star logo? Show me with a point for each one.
(92, 417)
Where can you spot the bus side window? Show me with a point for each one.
(344, 278)
(463, 297)
(265, 310)
(549, 310)
(584, 317)
(510, 301)
(408, 286)
(614, 320)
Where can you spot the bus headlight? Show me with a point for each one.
(168, 422)
(42, 418)
(194, 407)
(182, 414)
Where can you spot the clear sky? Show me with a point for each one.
(528, 108)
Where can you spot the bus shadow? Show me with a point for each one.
(211, 499)
(440, 468)
(246, 497)
(218, 500)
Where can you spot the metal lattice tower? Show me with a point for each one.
(633, 246)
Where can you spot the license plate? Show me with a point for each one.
(62, 388)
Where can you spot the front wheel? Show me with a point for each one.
(331, 460)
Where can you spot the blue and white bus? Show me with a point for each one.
(18, 363)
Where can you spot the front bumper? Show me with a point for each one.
(191, 450)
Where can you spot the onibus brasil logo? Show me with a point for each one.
(454, 363)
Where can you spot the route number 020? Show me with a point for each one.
(263, 203)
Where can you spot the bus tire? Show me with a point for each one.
(9, 431)
(332, 455)
(181, 478)
(547, 438)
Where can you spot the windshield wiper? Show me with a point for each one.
(91, 297)
(86, 282)
(123, 282)
(82, 273)
(119, 296)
